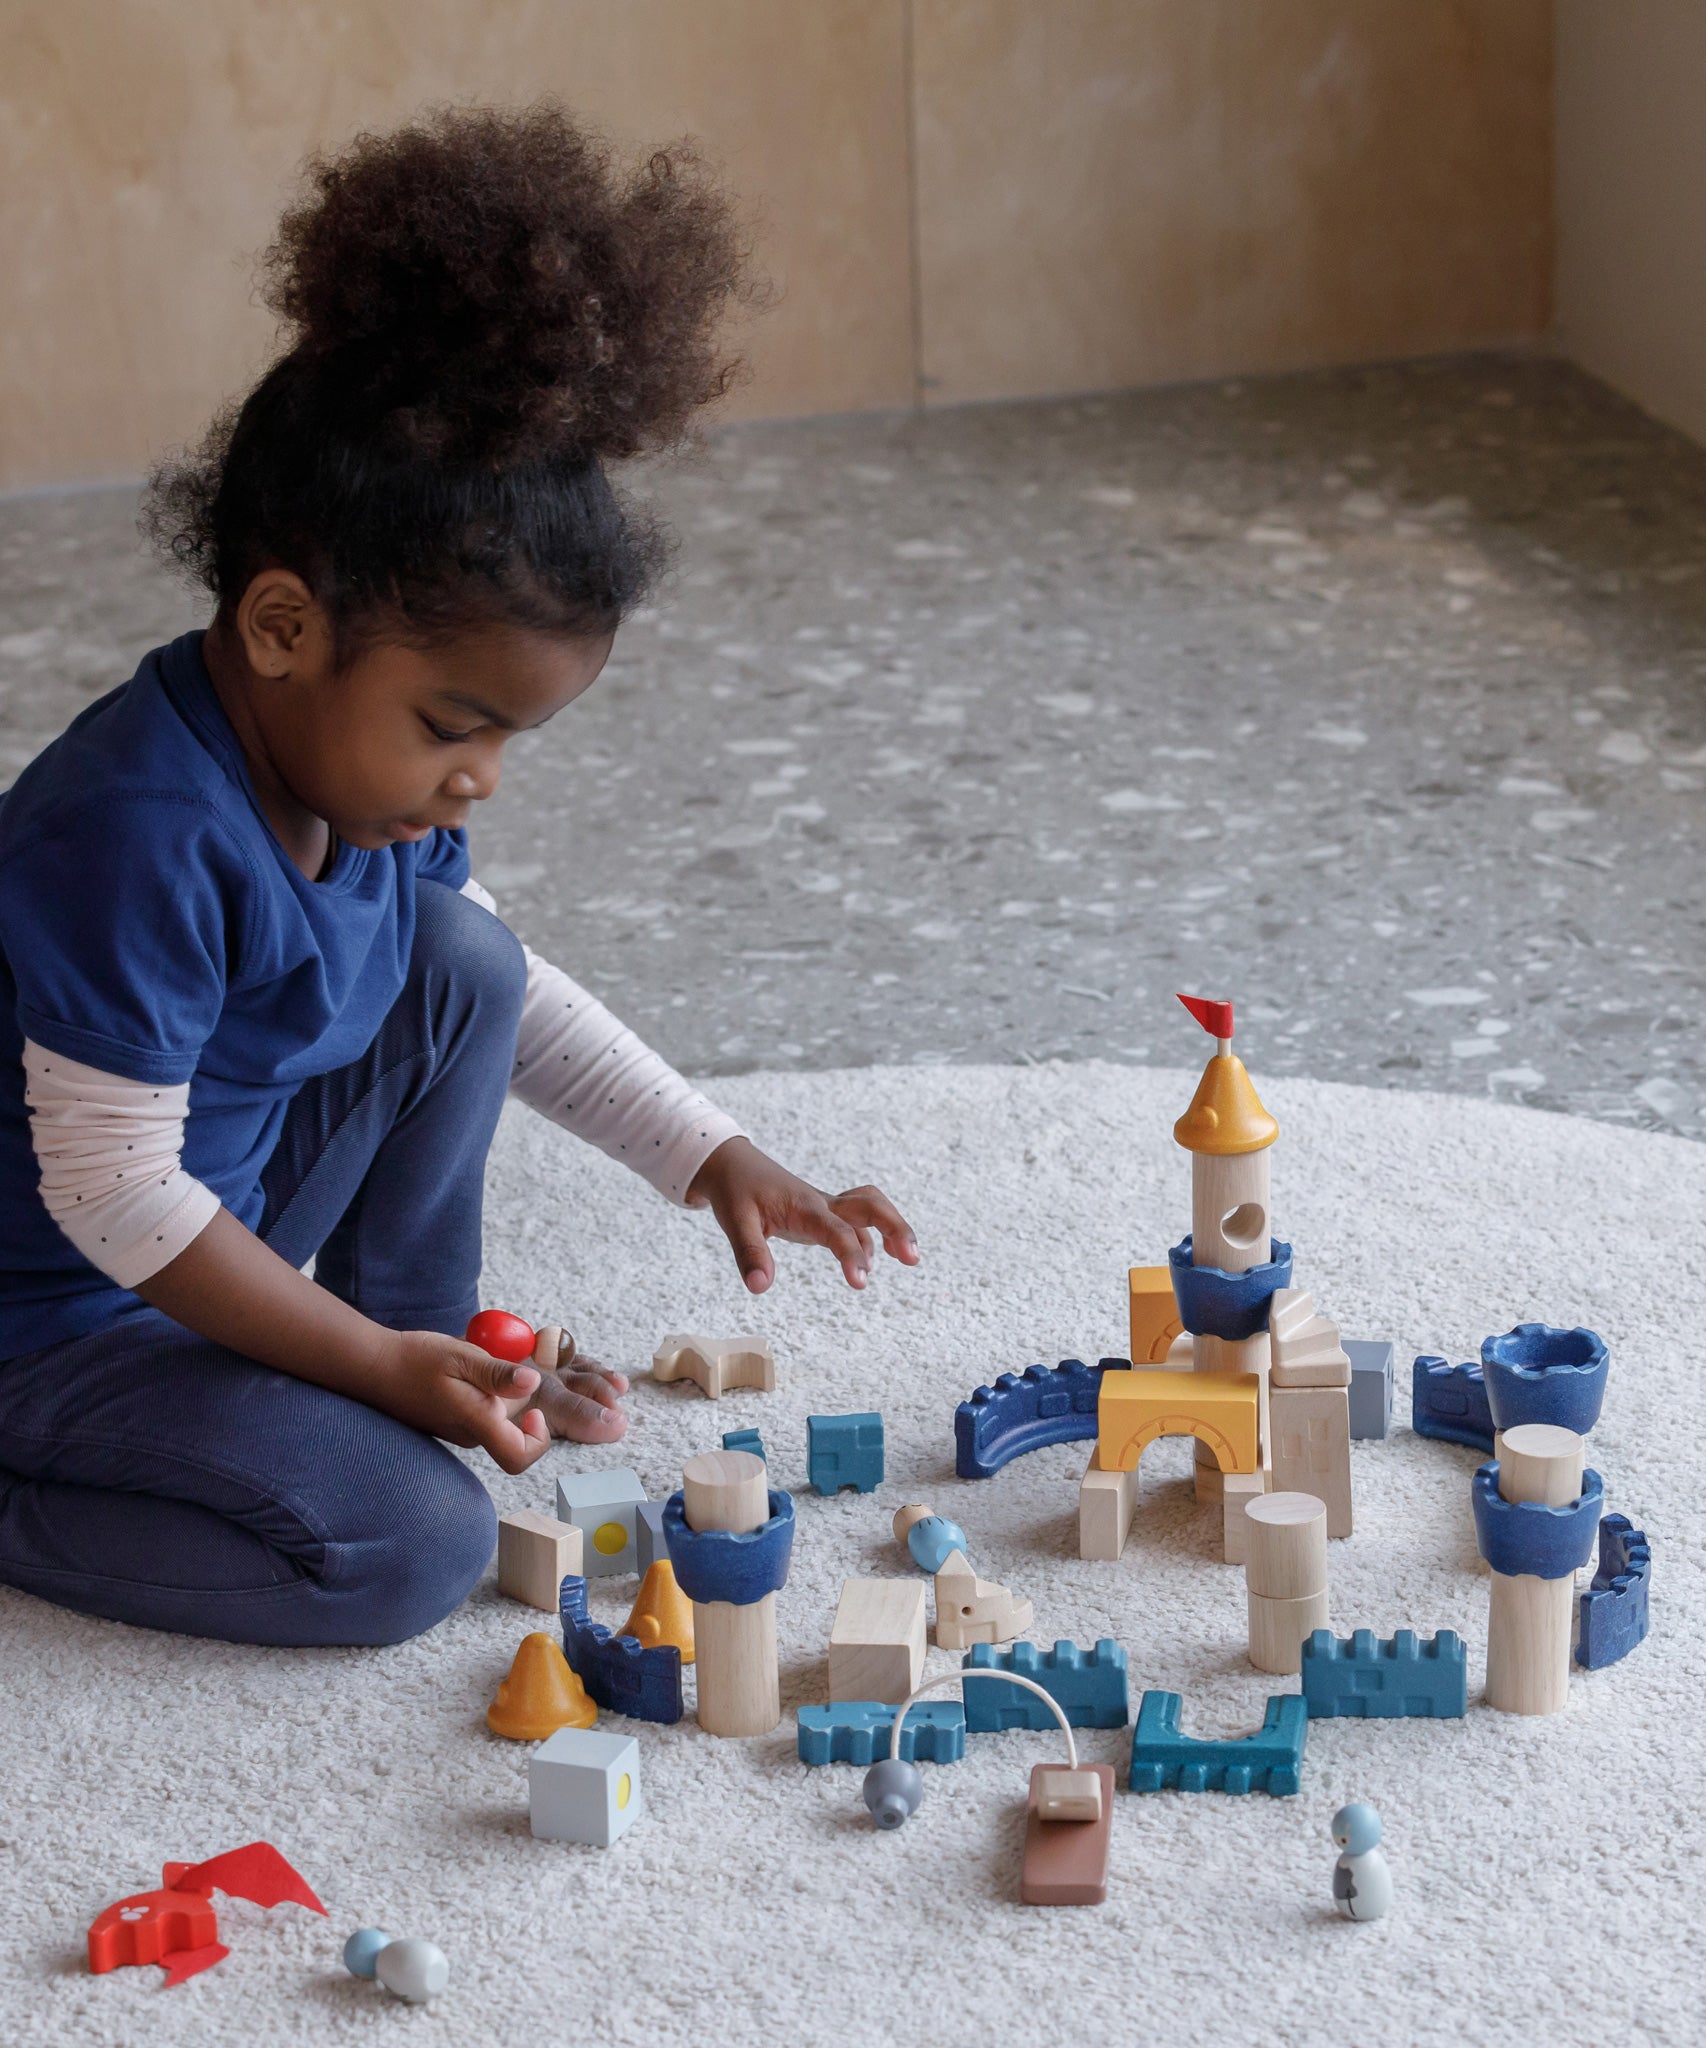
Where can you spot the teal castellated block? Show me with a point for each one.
(1395, 1678)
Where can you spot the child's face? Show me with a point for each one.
(405, 738)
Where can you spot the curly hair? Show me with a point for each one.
(482, 309)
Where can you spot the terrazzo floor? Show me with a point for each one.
(1373, 698)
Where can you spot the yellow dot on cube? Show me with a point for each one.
(624, 1791)
(609, 1538)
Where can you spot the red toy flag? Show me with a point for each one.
(256, 1872)
(1215, 1018)
(175, 1926)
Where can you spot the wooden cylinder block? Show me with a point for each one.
(1229, 1210)
(1280, 1628)
(1529, 1619)
(1285, 1545)
(740, 1689)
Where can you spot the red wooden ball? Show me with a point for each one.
(503, 1335)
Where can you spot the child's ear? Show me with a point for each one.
(282, 625)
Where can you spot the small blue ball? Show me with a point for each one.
(361, 1951)
(933, 1541)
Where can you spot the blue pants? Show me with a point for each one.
(150, 1476)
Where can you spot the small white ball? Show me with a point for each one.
(413, 1969)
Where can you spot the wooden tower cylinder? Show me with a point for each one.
(1529, 1618)
(740, 1690)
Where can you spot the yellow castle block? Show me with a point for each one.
(1217, 1408)
(1154, 1314)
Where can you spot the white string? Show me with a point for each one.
(985, 1671)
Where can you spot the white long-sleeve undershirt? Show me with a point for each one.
(109, 1148)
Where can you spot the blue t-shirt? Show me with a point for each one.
(151, 925)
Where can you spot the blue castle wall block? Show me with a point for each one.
(1090, 1686)
(1268, 1761)
(1213, 1302)
(1614, 1607)
(1390, 1678)
(744, 1440)
(1027, 1411)
(1372, 1365)
(844, 1450)
(1535, 1373)
(620, 1674)
(1450, 1402)
(1528, 1536)
(858, 1732)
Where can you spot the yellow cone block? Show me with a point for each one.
(1154, 1314)
(662, 1614)
(540, 1695)
(1219, 1409)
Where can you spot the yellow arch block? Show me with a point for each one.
(1154, 1314)
(1137, 1407)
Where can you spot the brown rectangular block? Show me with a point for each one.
(1066, 1861)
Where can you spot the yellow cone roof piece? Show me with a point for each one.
(1226, 1116)
(540, 1695)
(662, 1614)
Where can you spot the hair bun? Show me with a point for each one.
(495, 287)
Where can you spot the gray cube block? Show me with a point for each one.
(648, 1534)
(1371, 1386)
(584, 1786)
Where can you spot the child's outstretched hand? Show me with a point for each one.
(754, 1199)
(466, 1396)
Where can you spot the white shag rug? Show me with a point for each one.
(1548, 1872)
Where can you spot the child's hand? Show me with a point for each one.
(754, 1199)
(464, 1395)
(579, 1400)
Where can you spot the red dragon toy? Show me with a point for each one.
(175, 1926)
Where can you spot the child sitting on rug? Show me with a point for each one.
(254, 1009)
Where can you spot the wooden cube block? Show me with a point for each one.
(584, 1786)
(1106, 1503)
(876, 1647)
(1238, 1489)
(535, 1554)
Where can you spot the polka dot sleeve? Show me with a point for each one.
(584, 1069)
(108, 1152)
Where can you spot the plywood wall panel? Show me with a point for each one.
(1631, 170)
(145, 150)
(1117, 192)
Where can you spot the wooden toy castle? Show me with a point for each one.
(1224, 1348)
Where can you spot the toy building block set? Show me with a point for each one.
(1225, 1349)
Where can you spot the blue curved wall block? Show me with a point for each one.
(1450, 1402)
(1535, 1373)
(1025, 1411)
(1614, 1607)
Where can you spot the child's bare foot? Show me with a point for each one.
(581, 1401)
